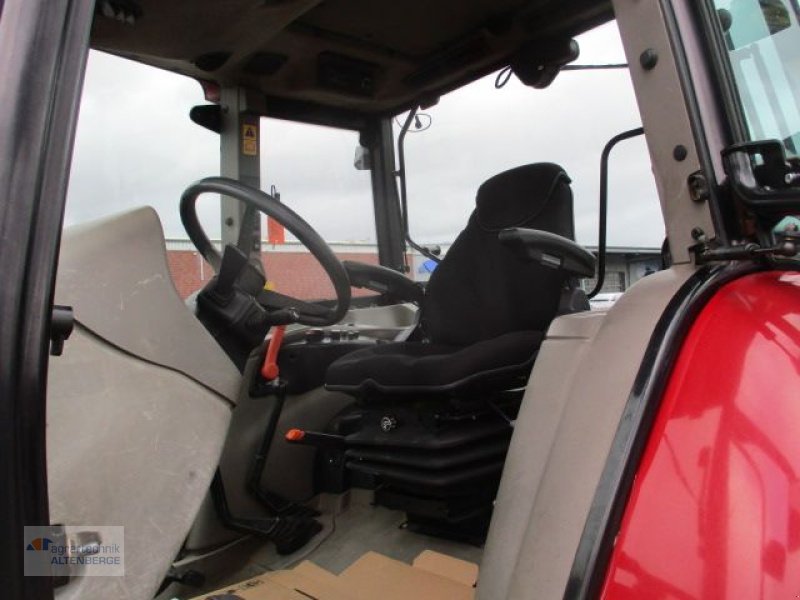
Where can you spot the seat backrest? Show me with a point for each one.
(481, 290)
(138, 406)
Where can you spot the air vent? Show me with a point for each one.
(264, 63)
(346, 74)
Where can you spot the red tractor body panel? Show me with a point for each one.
(714, 511)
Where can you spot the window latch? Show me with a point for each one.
(61, 325)
(705, 252)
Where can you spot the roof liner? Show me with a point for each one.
(337, 57)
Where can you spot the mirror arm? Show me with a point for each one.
(401, 175)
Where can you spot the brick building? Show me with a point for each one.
(295, 272)
(290, 267)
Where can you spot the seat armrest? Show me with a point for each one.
(549, 250)
(383, 280)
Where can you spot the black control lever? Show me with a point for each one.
(228, 309)
(233, 261)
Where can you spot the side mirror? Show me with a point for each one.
(749, 21)
(362, 161)
(776, 15)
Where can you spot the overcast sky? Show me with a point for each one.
(136, 145)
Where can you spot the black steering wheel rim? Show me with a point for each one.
(265, 203)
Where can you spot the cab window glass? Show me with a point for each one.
(763, 44)
(478, 131)
(136, 146)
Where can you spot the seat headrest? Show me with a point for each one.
(515, 197)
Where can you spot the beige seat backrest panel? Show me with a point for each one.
(114, 273)
(138, 405)
(129, 443)
(580, 383)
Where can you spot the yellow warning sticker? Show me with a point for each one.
(249, 140)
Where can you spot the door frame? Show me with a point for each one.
(43, 51)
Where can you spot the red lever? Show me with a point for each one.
(269, 370)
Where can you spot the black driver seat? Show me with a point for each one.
(435, 415)
(485, 311)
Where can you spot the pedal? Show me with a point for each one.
(299, 510)
(283, 508)
(189, 578)
(288, 533)
(293, 533)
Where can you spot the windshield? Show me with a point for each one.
(763, 43)
(136, 146)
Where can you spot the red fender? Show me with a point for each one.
(714, 511)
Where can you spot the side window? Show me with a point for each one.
(135, 144)
(763, 43)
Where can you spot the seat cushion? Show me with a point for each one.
(497, 363)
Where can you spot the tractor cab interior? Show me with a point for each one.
(252, 429)
(439, 406)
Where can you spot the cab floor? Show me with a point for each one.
(352, 526)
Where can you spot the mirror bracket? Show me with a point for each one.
(762, 178)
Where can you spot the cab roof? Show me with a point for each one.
(337, 57)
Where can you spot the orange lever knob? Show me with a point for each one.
(295, 435)
(269, 370)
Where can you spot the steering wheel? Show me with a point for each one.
(307, 313)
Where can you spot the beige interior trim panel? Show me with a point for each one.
(138, 405)
(114, 273)
(580, 383)
(128, 443)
